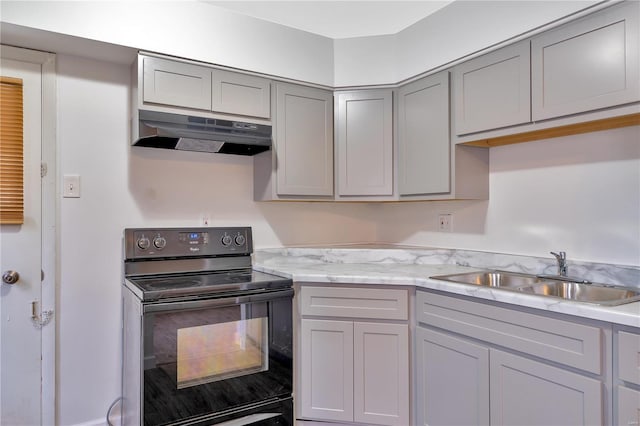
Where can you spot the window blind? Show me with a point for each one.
(11, 151)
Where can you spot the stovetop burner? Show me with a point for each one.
(205, 284)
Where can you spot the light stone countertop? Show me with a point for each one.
(413, 267)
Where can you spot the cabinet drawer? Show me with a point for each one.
(569, 343)
(629, 357)
(349, 302)
(176, 84)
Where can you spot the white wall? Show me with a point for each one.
(189, 29)
(580, 194)
(134, 187)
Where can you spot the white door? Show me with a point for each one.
(22, 382)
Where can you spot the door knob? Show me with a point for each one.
(10, 277)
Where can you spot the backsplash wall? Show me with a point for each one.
(579, 193)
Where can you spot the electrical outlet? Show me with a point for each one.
(445, 222)
(71, 186)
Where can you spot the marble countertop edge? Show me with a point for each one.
(419, 276)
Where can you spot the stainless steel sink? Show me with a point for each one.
(492, 279)
(590, 293)
(557, 287)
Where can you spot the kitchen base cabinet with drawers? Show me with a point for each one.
(484, 363)
(353, 363)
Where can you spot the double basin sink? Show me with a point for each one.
(551, 286)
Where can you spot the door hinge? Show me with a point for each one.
(43, 169)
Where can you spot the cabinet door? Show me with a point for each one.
(304, 140)
(176, 84)
(528, 392)
(423, 144)
(493, 90)
(365, 143)
(629, 357)
(588, 64)
(381, 373)
(327, 370)
(452, 380)
(241, 94)
(628, 410)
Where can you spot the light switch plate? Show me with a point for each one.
(71, 186)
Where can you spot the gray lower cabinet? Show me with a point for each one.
(628, 406)
(353, 370)
(493, 90)
(480, 363)
(452, 377)
(364, 143)
(301, 163)
(527, 392)
(588, 64)
(326, 376)
(627, 380)
(423, 136)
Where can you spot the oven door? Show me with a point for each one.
(206, 361)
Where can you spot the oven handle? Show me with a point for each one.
(217, 303)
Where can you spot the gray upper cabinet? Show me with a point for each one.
(168, 83)
(365, 143)
(304, 140)
(241, 94)
(176, 84)
(423, 136)
(493, 90)
(588, 64)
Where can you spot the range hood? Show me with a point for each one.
(189, 133)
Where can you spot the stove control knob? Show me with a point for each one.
(143, 243)
(227, 240)
(240, 240)
(159, 242)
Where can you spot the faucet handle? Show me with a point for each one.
(560, 256)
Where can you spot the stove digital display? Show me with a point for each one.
(194, 238)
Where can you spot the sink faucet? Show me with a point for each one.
(562, 263)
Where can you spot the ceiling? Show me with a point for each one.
(338, 19)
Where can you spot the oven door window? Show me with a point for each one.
(203, 361)
(212, 352)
